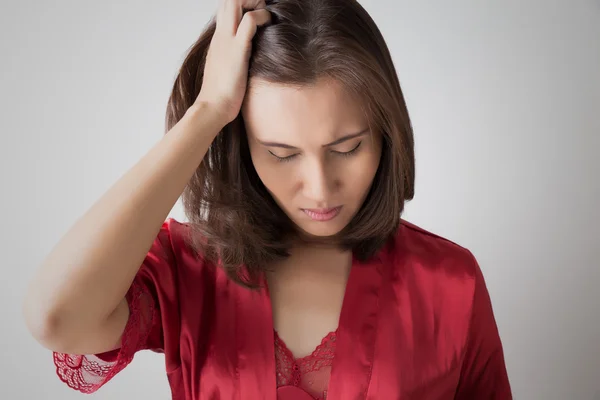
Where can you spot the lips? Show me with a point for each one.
(322, 214)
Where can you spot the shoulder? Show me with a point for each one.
(176, 239)
(434, 269)
(174, 233)
(174, 251)
(438, 285)
(416, 246)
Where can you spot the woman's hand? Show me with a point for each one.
(226, 69)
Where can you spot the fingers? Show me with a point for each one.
(253, 4)
(231, 13)
(250, 23)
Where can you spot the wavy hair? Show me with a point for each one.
(236, 223)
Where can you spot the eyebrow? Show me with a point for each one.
(337, 141)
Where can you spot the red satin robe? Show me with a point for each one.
(416, 323)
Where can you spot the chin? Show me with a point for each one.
(321, 229)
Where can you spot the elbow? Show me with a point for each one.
(41, 324)
(44, 324)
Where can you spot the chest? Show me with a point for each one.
(306, 306)
(225, 343)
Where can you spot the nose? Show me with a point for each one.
(318, 183)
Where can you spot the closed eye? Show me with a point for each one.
(339, 153)
(348, 153)
(283, 159)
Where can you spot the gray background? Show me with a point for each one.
(505, 101)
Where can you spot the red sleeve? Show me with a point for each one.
(483, 374)
(87, 373)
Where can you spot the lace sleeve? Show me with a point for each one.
(150, 300)
(87, 373)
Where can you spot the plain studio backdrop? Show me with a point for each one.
(505, 101)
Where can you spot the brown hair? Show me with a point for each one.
(237, 223)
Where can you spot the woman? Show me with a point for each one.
(288, 134)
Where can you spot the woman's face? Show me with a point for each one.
(313, 150)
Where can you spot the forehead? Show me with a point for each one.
(293, 114)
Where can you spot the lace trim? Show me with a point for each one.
(321, 357)
(87, 373)
(291, 370)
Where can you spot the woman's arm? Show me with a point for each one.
(75, 302)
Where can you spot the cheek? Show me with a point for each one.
(277, 184)
(359, 174)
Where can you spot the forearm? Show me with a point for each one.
(89, 271)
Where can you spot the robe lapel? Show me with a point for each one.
(255, 345)
(357, 332)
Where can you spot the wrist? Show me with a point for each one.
(209, 114)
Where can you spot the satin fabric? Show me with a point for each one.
(416, 323)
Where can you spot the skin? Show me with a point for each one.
(329, 158)
(76, 301)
